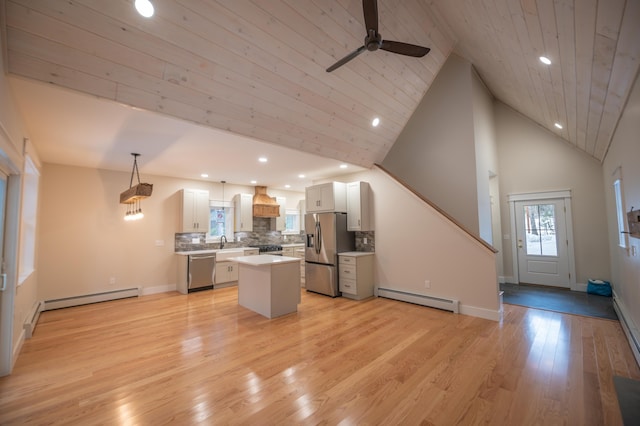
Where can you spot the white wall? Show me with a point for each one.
(435, 153)
(16, 301)
(624, 152)
(414, 243)
(84, 240)
(532, 159)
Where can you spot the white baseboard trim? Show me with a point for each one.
(480, 312)
(158, 289)
(91, 298)
(16, 349)
(628, 326)
(507, 280)
(420, 299)
(32, 319)
(579, 287)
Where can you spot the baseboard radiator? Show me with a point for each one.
(631, 333)
(32, 319)
(421, 299)
(91, 298)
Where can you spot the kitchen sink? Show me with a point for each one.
(227, 253)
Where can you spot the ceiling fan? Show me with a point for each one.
(373, 40)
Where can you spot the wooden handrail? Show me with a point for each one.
(438, 209)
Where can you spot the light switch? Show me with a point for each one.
(159, 243)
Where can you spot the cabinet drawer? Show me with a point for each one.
(348, 286)
(347, 260)
(348, 271)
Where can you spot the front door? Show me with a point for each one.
(542, 244)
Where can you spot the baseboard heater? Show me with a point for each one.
(90, 298)
(421, 299)
(32, 319)
(630, 332)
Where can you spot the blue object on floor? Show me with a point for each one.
(599, 287)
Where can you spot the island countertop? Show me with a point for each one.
(264, 260)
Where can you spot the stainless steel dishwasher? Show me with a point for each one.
(202, 269)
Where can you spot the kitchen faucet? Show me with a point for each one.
(223, 240)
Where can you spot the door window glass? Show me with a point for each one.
(540, 230)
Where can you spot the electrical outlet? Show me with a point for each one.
(634, 251)
(195, 240)
(427, 284)
(365, 240)
(159, 243)
(112, 280)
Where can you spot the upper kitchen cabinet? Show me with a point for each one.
(195, 210)
(281, 221)
(327, 197)
(358, 210)
(243, 205)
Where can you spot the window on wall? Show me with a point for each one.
(617, 191)
(292, 222)
(30, 183)
(221, 221)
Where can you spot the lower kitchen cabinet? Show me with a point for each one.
(355, 274)
(226, 271)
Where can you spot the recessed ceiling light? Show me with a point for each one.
(375, 122)
(301, 176)
(144, 8)
(558, 125)
(262, 159)
(343, 166)
(204, 175)
(253, 182)
(545, 60)
(287, 186)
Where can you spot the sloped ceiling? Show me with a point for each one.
(257, 68)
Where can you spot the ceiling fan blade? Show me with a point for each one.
(347, 58)
(404, 48)
(370, 8)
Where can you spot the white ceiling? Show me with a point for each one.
(80, 130)
(257, 69)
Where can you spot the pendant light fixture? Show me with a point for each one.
(132, 196)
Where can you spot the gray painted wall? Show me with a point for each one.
(435, 153)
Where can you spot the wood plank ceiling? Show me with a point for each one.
(257, 68)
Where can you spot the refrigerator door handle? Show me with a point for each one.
(318, 238)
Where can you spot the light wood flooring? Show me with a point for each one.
(202, 359)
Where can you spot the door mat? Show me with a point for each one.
(628, 391)
(559, 300)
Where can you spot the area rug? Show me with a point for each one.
(628, 391)
(559, 300)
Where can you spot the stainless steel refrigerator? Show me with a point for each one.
(327, 236)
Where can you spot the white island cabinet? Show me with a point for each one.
(269, 285)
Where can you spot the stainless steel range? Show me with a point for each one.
(272, 249)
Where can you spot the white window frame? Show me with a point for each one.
(228, 226)
(292, 212)
(28, 222)
(621, 216)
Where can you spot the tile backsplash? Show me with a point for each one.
(262, 234)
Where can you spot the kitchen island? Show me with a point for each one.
(269, 285)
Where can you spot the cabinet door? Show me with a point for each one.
(312, 199)
(287, 251)
(195, 210)
(226, 272)
(243, 204)
(358, 213)
(353, 207)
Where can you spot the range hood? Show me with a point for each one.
(263, 205)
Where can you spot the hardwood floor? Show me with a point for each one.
(202, 359)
